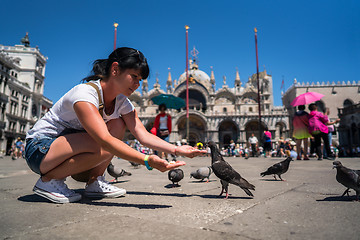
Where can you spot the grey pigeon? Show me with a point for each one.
(226, 173)
(348, 177)
(116, 172)
(134, 164)
(201, 173)
(278, 168)
(175, 176)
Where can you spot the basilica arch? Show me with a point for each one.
(197, 128)
(249, 97)
(228, 131)
(280, 130)
(253, 127)
(196, 99)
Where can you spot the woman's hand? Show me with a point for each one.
(163, 165)
(189, 151)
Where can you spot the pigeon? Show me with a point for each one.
(201, 173)
(226, 173)
(134, 164)
(278, 168)
(116, 172)
(175, 176)
(348, 177)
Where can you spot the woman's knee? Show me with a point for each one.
(117, 127)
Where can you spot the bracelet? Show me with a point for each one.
(147, 163)
(175, 151)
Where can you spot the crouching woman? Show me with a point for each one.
(82, 132)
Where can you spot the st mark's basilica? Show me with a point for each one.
(229, 113)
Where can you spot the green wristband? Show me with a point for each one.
(147, 163)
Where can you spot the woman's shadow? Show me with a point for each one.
(38, 199)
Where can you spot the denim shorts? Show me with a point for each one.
(35, 151)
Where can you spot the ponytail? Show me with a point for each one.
(99, 70)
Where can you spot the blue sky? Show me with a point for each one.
(307, 40)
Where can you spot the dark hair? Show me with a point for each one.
(127, 58)
(266, 128)
(312, 107)
(301, 107)
(162, 106)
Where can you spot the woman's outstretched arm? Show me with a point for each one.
(136, 127)
(95, 126)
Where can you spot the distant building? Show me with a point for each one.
(22, 103)
(349, 129)
(337, 95)
(229, 113)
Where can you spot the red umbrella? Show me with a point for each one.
(306, 98)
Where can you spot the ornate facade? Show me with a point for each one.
(22, 103)
(229, 113)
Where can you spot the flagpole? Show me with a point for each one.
(187, 83)
(258, 82)
(115, 33)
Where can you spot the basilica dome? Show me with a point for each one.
(196, 76)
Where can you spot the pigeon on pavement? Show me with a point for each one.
(226, 173)
(348, 177)
(278, 168)
(175, 176)
(116, 172)
(201, 173)
(134, 164)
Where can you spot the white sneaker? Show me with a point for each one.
(56, 191)
(101, 188)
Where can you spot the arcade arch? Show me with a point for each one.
(228, 131)
(280, 130)
(197, 129)
(252, 127)
(348, 103)
(196, 99)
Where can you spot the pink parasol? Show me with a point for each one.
(306, 98)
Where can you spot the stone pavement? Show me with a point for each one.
(305, 206)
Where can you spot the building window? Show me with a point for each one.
(13, 107)
(25, 98)
(3, 109)
(14, 93)
(34, 110)
(12, 126)
(39, 67)
(24, 111)
(38, 85)
(250, 109)
(22, 128)
(224, 110)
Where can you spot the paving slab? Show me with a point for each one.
(307, 205)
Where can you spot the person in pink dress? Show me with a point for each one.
(318, 128)
(267, 142)
(301, 131)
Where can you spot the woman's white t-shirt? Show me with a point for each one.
(62, 117)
